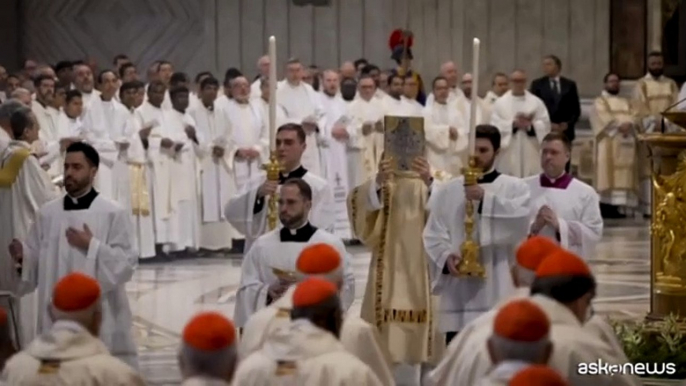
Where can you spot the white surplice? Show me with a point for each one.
(301, 104)
(24, 188)
(161, 190)
(82, 359)
(185, 169)
(443, 153)
(106, 128)
(250, 130)
(270, 252)
(304, 355)
(240, 210)
(89, 97)
(217, 183)
(500, 226)
(335, 155)
(577, 207)
(465, 107)
(48, 137)
(520, 151)
(357, 336)
(454, 94)
(364, 151)
(111, 258)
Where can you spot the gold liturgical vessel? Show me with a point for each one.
(668, 223)
(273, 168)
(469, 265)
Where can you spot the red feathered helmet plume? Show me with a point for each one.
(396, 43)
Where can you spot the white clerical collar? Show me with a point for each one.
(75, 200)
(286, 174)
(295, 231)
(553, 180)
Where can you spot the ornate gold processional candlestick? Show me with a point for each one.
(469, 264)
(273, 167)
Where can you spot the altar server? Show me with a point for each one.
(217, 183)
(523, 121)
(307, 352)
(357, 336)
(208, 351)
(447, 132)
(69, 352)
(247, 211)
(276, 252)
(562, 207)
(501, 222)
(87, 232)
(302, 105)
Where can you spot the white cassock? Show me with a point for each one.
(364, 151)
(280, 114)
(443, 153)
(302, 354)
(74, 125)
(140, 199)
(577, 207)
(256, 89)
(89, 362)
(48, 143)
(161, 190)
(24, 188)
(501, 224)
(185, 169)
(301, 104)
(357, 336)
(520, 150)
(111, 258)
(248, 214)
(217, 183)
(335, 159)
(280, 249)
(454, 94)
(249, 131)
(402, 107)
(89, 97)
(106, 129)
(465, 107)
(413, 108)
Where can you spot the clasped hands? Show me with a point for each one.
(80, 239)
(523, 121)
(545, 216)
(419, 165)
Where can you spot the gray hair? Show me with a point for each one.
(215, 364)
(508, 349)
(12, 106)
(20, 92)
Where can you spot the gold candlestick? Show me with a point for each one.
(273, 168)
(469, 265)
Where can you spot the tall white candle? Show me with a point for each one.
(272, 93)
(474, 97)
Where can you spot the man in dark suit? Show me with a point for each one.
(560, 96)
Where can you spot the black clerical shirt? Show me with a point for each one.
(81, 203)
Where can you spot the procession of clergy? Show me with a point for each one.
(92, 181)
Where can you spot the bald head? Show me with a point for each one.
(22, 95)
(348, 70)
(263, 64)
(449, 72)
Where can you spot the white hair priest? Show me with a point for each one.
(269, 268)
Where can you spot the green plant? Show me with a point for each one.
(654, 343)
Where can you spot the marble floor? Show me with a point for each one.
(164, 296)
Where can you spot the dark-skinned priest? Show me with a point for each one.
(269, 268)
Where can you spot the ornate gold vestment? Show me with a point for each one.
(397, 299)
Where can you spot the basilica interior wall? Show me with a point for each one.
(215, 34)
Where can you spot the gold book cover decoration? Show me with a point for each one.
(283, 275)
(404, 140)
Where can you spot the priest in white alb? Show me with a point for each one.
(397, 103)
(357, 336)
(337, 132)
(523, 121)
(263, 64)
(366, 143)
(451, 74)
(106, 127)
(307, 351)
(464, 103)
(247, 210)
(48, 145)
(87, 232)
(302, 105)
(501, 218)
(615, 128)
(24, 188)
(447, 133)
(269, 267)
(562, 207)
(263, 101)
(409, 96)
(185, 167)
(250, 132)
(217, 183)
